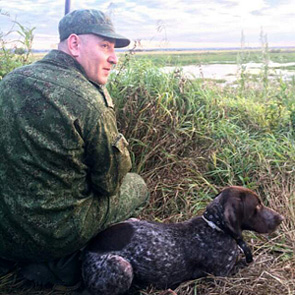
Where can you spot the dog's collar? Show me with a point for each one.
(212, 224)
(240, 242)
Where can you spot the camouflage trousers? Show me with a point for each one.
(129, 201)
(132, 197)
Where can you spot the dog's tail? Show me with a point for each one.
(106, 274)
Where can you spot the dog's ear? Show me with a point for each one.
(233, 199)
(233, 212)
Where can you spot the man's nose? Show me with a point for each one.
(113, 59)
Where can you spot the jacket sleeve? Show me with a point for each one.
(107, 155)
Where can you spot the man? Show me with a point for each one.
(63, 163)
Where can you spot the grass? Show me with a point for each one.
(178, 58)
(189, 139)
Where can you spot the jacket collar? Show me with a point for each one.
(64, 60)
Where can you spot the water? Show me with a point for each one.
(230, 72)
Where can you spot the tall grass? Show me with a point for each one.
(20, 54)
(169, 119)
(191, 138)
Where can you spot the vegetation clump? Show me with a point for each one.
(19, 54)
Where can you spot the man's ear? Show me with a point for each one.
(74, 43)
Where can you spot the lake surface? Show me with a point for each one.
(230, 72)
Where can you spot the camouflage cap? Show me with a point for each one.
(89, 21)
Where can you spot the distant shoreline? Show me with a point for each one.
(161, 50)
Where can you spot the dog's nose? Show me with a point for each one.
(279, 218)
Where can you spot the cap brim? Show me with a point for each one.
(120, 41)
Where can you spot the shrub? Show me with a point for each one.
(11, 58)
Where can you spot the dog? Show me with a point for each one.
(136, 252)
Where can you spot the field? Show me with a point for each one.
(191, 138)
(181, 58)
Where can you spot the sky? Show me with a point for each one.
(166, 23)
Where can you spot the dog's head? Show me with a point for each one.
(240, 209)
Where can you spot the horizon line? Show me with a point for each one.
(186, 49)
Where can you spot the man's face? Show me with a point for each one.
(97, 56)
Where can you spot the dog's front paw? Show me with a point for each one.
(241, 264)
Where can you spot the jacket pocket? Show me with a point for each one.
(122, 155)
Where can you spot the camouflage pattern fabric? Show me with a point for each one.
(90, 21)
(63, 163)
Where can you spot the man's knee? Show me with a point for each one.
(133, 196)
(134, 189)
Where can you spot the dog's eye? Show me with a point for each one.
(257, 209)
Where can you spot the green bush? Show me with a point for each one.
(11, 58)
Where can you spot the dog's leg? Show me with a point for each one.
(106, 274)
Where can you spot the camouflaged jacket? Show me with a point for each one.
(61, 159)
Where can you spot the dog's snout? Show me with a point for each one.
(275, 216)
(279, 218)
(273, 220)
